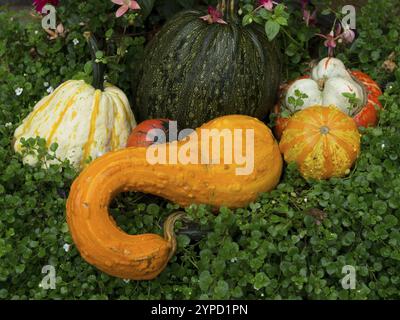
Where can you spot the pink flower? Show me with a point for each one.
(267, 4)
(330, 41)
(214, 16)
(39, 4)
(309, 18)
(304, 3)
(348, 35)
(125, 6)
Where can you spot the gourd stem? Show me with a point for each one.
(230, 9)
(98, 67)
(169, 233)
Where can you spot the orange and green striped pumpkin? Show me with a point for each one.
(323, 141)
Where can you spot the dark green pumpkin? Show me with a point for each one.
(195, 71)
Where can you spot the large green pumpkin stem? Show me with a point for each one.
(98, 68)
(230, 9)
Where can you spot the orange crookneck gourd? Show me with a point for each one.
(217, 183)
(324, 142)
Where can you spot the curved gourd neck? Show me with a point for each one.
(229, 8)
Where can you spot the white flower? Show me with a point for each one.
(75, 41)
(348, 35)
(19, 91)
(127, 280)
(36, 31)
(8, 124)
(66, 247)
(233, 260)
(46, 84)
(305, 199)
(383, 146)
(50, 90)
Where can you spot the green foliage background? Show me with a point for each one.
(274, 249)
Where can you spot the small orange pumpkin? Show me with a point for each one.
(324, 142)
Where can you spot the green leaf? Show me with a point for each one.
(247, 19)
(265, 14)
(282, 21)
(221, 290)
(153, 209)
(99, 54)
(260, 281)
(54, 147)
(272, 29)
(326, 12)
(280, 9)
(205, 280)
(109, 33)
(88, 67)
(146, 6)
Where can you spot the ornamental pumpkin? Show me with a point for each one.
(85, 121)
(216, 183)
(142, 136)
(328, 81)
(323, 141)
(195, 71)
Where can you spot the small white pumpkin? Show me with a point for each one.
(84, 121)
(329, 68)
(329, 81)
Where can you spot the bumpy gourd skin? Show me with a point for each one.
(142, 257)
(323, 140)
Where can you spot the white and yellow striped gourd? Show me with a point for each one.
(85, 121)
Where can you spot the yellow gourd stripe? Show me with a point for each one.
(327, 156)
(313, 119)
(92, 129)
(338, 118)
(71, 100)
(308, 148)
(296, 140)
(326, 115)
(301, 124)
(113, 133)
(127, 114)
(345, 145)
(41, 108)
